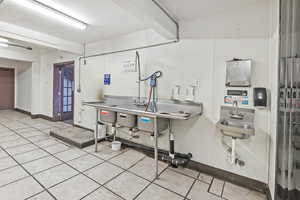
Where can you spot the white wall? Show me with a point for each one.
(185, 63)
(23, 78)
(273, 71)
(45, 71)
(194, 58)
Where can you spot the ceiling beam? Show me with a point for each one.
(27, 56)
(153, 15)
(38, 38)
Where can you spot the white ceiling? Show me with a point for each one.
(194, 9)
(36, 49)
(221, 18)
(106, 20)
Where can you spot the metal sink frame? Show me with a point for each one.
(168, 109)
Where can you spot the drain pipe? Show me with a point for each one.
(233, 146)
(234, 157)
(172, 158)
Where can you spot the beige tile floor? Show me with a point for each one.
(34, 166)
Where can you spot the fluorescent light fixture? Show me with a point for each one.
(50, 11)
(3, 45)
(3, 40)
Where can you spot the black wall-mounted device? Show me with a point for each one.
(260, 97)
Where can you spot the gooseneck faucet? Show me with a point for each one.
(138, 101)
(235, 108)
(235, 111)
(138, 64)
(153, 84)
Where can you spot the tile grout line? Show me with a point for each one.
(35, 159)
(151, 182)
(14, 180)
(177, 172)
(108, 161)
(214, 193)
(30, 175)
(72, 168)
(125, 170)
(223, 187)
(190, 189)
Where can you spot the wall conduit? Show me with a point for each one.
(176, 40)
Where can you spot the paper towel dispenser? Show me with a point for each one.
(238, 73)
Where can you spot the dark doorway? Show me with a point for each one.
(7, 88)
(63, 92)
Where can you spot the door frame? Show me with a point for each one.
(55, 95)
(14, 84)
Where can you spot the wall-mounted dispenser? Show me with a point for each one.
(190, 93)
(238, 73)
(176, 92)
(260, 97)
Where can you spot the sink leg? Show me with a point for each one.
(171, 141)
(156, 147)
(233, 147)
(96, 130)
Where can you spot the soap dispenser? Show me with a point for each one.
(260, 97)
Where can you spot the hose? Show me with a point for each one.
(155, 75)
(149, 99)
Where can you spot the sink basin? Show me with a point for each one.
(179, 113)
(236, 129)
(167, 109)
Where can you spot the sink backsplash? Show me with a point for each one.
(248, 114)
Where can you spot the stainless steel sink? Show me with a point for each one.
(236, 128)
(240, 130)
(165, 108)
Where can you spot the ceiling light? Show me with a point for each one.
(48, 10)
(3, 45)
(3, 40)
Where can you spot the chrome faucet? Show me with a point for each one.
(139, 101)
(235, 106)
(235, 111)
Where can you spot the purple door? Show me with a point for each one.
(63, 98)
(7, 88)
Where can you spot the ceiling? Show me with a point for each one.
(36, 49)
(108, 20)
(194, 9)
(105, 18)
(222, 18)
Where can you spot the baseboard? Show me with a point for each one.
(229, 177)
(42, 117)
(22, 111)
(215, 172)
(34, 116)
(268, 193)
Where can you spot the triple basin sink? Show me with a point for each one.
(124, 112)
